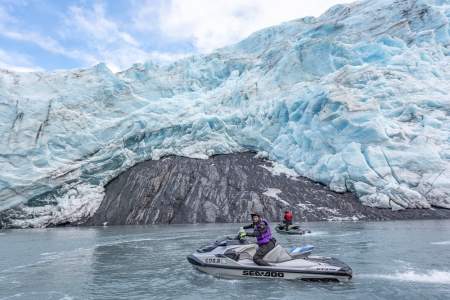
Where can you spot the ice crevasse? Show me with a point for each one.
(357, 99)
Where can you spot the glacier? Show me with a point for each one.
(357, 99)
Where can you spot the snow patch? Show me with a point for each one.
(273, 193)
(277, 169)
(332, 211)
(306, 206)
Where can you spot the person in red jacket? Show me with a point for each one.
(287, 219)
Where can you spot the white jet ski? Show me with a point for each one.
(232, 257)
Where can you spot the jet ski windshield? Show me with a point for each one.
(227, 241)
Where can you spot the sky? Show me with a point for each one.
(45, 35)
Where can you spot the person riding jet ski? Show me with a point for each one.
(287, 219)
(264, 239)
(237, 257)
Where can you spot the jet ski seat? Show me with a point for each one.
(277, 255)
(245, 251)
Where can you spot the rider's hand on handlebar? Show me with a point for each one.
(242, 234)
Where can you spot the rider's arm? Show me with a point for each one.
(259, 230)
(247, 233)
(252, 234)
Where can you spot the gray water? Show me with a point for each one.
(409, 259)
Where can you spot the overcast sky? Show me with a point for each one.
(62, 34)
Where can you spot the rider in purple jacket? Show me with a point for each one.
(261, 230)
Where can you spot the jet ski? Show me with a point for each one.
(233, 257)
(293, 229)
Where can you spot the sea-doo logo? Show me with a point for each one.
(263, 273)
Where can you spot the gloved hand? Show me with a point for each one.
(242, 234)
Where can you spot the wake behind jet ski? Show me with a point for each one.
(238, 257)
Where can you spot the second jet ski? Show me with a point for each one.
(292, 229)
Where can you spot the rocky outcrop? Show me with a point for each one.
(226, 188)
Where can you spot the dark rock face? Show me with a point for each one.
(226, 188)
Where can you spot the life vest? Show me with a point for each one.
(266, 235)
(288, 216)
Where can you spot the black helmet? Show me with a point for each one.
(256, 212)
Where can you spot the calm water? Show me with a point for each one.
(389, 259)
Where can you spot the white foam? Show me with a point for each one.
(48, 253)
(432, 276)
(441, 243)
(348, 234)
(314, 233)
(343, 219)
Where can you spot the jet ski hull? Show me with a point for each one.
(231, 257)
(293, 231)
(229, 269)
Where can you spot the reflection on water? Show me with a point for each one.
(389, 259)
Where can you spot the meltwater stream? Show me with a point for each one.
(408, 259)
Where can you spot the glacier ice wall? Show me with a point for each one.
(357, 99)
